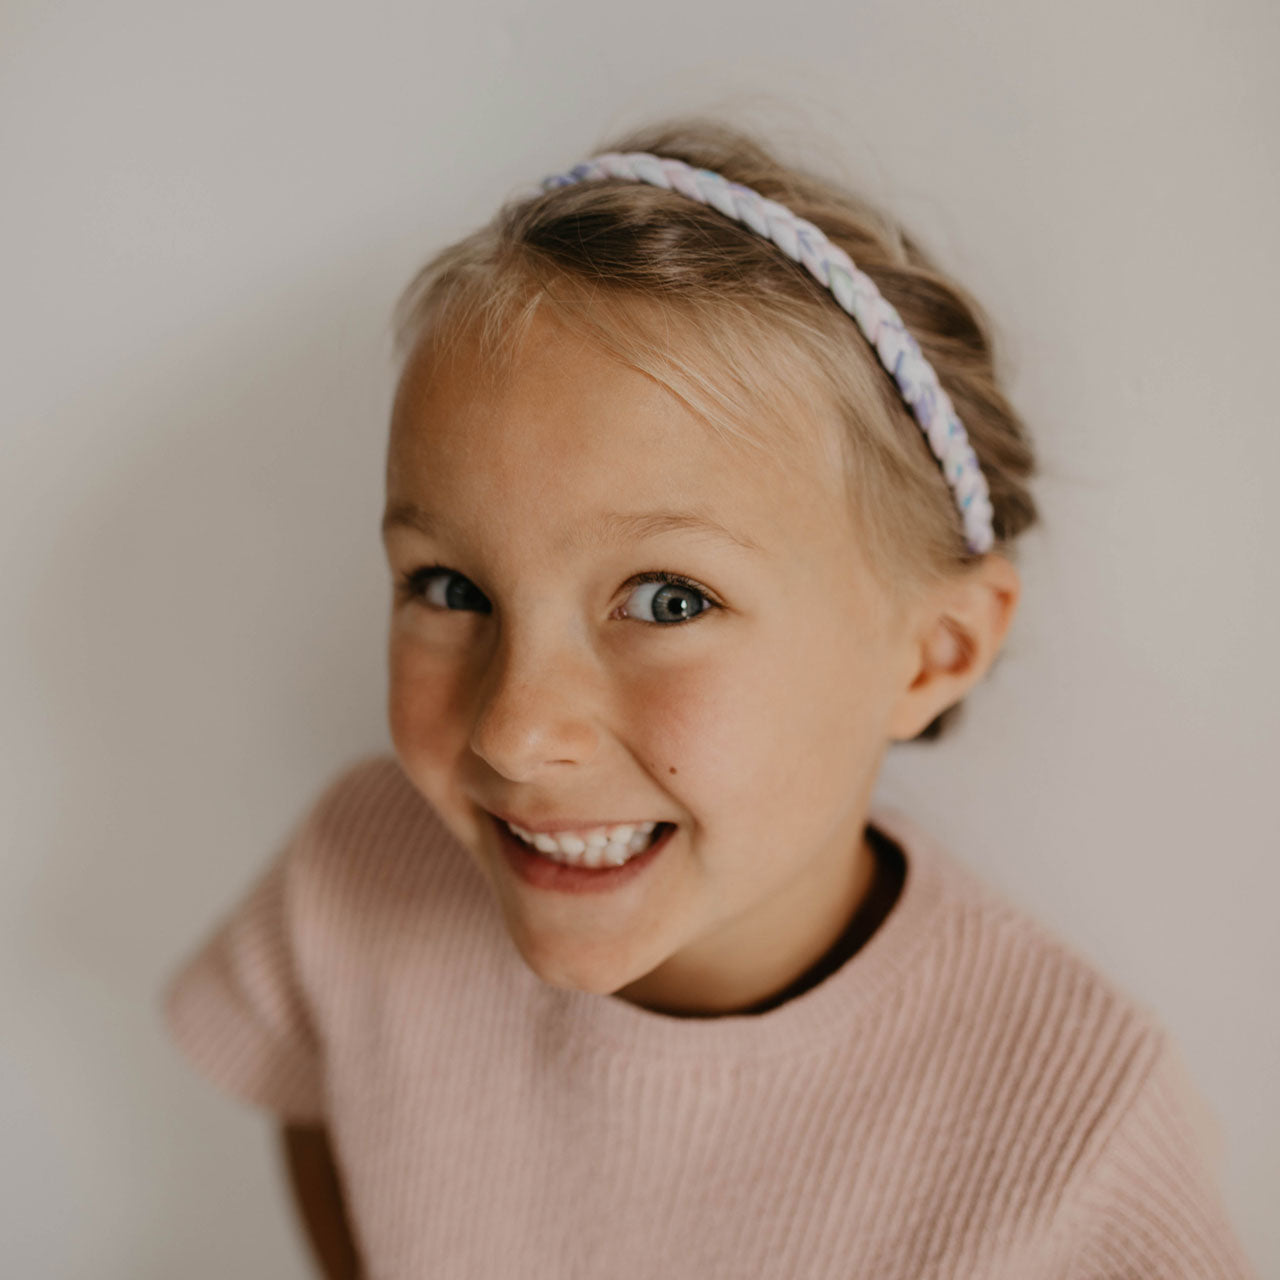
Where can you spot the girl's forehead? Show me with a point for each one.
(577, 492)
(559, 412)
(527, 513)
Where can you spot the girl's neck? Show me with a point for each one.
(886, 885)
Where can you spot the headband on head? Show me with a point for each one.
(856, 293)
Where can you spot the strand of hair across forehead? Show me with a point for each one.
(856, 293)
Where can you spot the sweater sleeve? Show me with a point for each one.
(1148, 1208)
(236, 1010)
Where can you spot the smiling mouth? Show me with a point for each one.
(574, 873)
(601, 848)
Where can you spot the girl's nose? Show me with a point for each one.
(532, 711)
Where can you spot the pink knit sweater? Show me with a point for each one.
(965, 1097)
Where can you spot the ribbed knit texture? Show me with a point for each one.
(965, 1097)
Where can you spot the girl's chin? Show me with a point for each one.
(600, 970)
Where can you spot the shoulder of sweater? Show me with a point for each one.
(1045, 1061)
(369, 835)
(1046, 981)
(996, 936)
(1006, 999)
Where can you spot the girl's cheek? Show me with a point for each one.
(692, 723)
(419, 691)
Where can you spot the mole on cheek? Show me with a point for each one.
(671, 767)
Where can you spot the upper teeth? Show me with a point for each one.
(600, 846)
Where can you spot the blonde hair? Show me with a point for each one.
(746, 337)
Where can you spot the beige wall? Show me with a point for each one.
(207, 211)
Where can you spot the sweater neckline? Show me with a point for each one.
(807, 1022)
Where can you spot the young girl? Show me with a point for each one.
(701, 492)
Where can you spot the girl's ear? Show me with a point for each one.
(958, 631)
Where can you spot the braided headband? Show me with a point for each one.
(856, 293)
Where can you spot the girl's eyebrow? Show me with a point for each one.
(610, 526)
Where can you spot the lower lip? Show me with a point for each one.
(543, 873)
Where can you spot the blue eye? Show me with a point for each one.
(671, 598)
(459, 592)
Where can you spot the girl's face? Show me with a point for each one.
(535, 675)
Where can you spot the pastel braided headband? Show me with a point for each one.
(856, 293)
